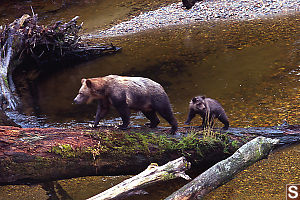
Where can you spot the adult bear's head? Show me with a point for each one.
(90, 90)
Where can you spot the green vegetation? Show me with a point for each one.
(153, 144)
(5, 80)
(126, 144)
(65, 150)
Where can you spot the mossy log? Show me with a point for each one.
(30, 155)
(153, 174)
(251, 152)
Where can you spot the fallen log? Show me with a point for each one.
(31, 155)
(153, 174)
(251, 152)
(287, 134)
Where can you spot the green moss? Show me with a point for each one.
(152, 144)
(235, 144)
(65, 150)
(168, 176)
(5, 80)
(127, 144)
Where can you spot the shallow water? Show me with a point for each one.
(251, 67)
(265, 179)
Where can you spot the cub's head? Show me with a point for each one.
(87, 93)
(198, 103)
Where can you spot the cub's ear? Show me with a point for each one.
(203, 97)
(83, 80)
(88, 83)
(194, 100)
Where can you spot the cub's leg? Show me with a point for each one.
(223, 118)
(191, 115)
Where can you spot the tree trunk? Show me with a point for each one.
(223, 171)
(151, 175)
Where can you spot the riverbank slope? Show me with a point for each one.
(209, 10)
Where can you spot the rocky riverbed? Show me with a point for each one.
(175, 14)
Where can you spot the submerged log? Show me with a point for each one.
(287, 134)
(25, 39)
(29, 155)
(153, 174)
(251, 152)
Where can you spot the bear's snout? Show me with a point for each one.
(77, 100)
(81, 99)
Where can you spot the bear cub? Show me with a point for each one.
(126, 93)
(208, 109)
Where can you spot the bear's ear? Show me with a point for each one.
(203, 97)
(194, 100)
(88, 83)
(83, 80)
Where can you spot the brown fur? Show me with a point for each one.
(208, 109)
(125, 93)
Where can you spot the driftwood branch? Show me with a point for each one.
(152, 174)
(223, 171)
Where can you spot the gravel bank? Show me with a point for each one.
(207, 10)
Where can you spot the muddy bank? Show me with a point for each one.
(214, 10)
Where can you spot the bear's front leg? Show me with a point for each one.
(102, 110)
(191, 115)
(124, 112)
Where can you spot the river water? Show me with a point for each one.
(251, 67)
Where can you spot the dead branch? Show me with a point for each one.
(152, 174)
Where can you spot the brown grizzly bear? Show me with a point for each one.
(125, 93)
(208, 109)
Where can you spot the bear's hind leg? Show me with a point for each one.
(167, 114)
(151, 115)
(223, 118)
